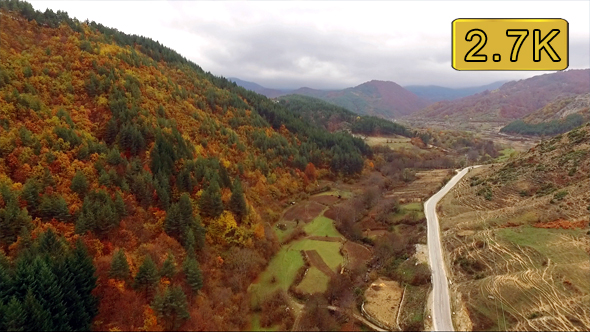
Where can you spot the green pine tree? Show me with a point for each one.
(194, 277)
(80, 272)
(30, 194)
(211, 204)
(147, 277)
(173, 225)
(38, 318)
(171, 307)
(119, 266)
(14, 316)
(237, 202)
(79, 184)
(168, 269)
(120, 205)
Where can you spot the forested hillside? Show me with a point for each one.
(557, 117)
(332, 117)
(137, 190)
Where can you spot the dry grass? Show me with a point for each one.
(382, 302)
(512, 275)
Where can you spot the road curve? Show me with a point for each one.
(441, 304)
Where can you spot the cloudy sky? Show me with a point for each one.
(326, 44)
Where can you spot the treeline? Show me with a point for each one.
(550, 128)
(332, 117)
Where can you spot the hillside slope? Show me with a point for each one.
(168, 176)
(517, 239)
(379, 98)
(332, 117)
(436, 93)
(512, 100)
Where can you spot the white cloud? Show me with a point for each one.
(326, 44)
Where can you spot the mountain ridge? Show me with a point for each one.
(513, 100)
(436, 93)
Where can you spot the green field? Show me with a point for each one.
(329, 251)
(505, 155)
(410, 210)
(546, 242)
(321, 226)
(283, 267)
(315, 281)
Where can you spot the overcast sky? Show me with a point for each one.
(327, 44)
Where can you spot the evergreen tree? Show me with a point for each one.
(237, 202)
(211, 203)
(147, 277)
(168, 269)
(119, 266)
(173, 223)
(171, 307)
(194, 277)
(114, 157)
(54, 206)
(183, 181)
(30, 194)
(190, 243)
(12, 217)
(79, 184)
(38, 318)
(120, 205)
(162, 187)
(14, 316)
(49, 294)
(112, 131)
(80, 280)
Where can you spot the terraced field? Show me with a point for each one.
(319, 246)
(512, 265)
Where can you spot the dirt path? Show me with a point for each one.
(316, 260)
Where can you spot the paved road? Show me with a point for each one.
(441, 307)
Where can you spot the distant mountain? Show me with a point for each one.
(379, 98)
(513, 100)
(436, 93)
(270, 93)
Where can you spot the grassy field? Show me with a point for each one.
(505, 155)
(321, 226)
(558, 245)
(329, 251)
(283, 267)
(414, 211)
(315, 281)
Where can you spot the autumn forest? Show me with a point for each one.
(140, 192)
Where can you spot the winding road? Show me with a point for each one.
(441, 305)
